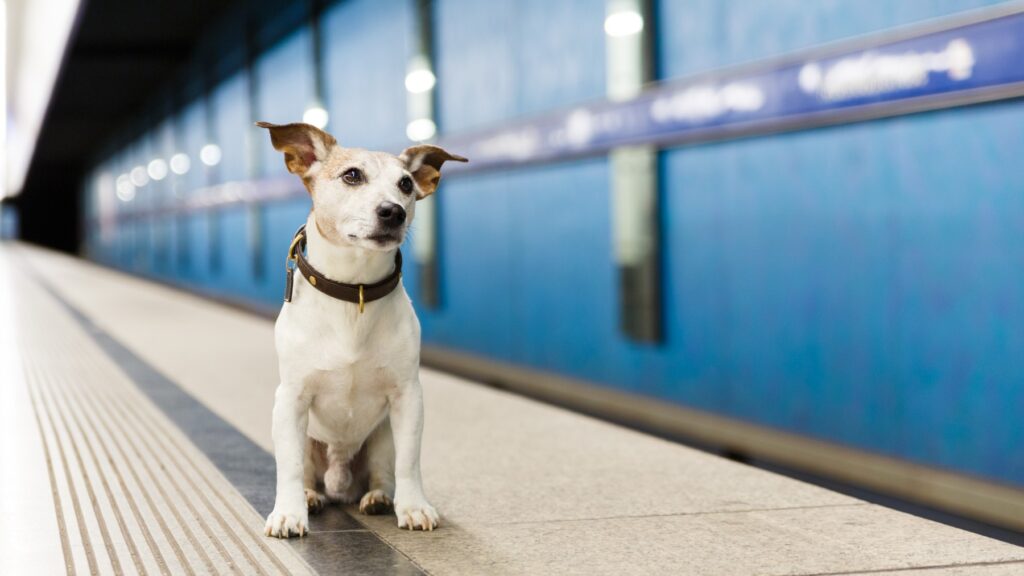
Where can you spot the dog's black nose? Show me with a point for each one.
(390, 214)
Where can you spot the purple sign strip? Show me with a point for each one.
(974, 62)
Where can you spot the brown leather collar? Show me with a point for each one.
(355, 293)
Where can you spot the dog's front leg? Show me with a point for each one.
(411, 506)
(291, 417)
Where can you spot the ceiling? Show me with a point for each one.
(122, 53)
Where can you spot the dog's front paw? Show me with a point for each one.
(287, 524)
(416, 515)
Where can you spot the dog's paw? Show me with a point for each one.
(375, 502)
(315, 501)
(416, 515)
(287, 524)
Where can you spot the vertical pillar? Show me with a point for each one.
(180, 163)
(316, 112)
(420, 86)
(210, 155)
(635, 199)
(256, 216)
(162, 187)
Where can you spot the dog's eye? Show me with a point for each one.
(405, 184)
(352, 176)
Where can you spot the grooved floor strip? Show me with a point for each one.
(55, 493)
(131, 493)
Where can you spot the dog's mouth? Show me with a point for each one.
(385, 237)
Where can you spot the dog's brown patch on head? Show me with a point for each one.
(302, 145)
(424, 162)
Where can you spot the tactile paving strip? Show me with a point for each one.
(132, 495)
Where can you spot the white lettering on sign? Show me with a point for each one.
(702, 103)
(870, 73)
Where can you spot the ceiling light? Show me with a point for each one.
(421, 129)
(315, 115)
(623, 23)
(180, 163)
(157, 169)
(210, 154)
(139, 177)
(420, 80)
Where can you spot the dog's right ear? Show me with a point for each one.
(304, 145)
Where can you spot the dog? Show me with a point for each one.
(348, 413)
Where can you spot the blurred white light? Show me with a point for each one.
(742, 97)
(210, 154)
(32, 50)
(810, 77)
(871, 73)
(959, 59)
(139, 176)
(623, 23)
(157, 169)
(316, 116)
(180, 163)
(124, 188)
(419, 81)
(3, 99)
(421, 129)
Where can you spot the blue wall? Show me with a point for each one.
(858, 284)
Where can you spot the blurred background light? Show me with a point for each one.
(210, 154)
(157, 169)
(180, 163)
(139, 176)
(315, 115)
(421, 129)
(623, 23)
(420, 80)
(124, 188)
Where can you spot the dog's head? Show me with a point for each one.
(360, 198)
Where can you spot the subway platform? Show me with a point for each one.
(138, 417)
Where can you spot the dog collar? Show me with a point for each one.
(355, 293)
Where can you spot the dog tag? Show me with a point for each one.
(288, 286)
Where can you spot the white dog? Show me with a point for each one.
(349, 409)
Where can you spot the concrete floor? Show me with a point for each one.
(523, 488)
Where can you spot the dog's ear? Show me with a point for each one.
(424, 162)
(303, 145)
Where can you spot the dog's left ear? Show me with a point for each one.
(303, 145)
(424, 162)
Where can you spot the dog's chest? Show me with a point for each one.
(348, 363)
(348, 404)
(346, 377)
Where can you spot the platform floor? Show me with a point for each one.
(136, 439)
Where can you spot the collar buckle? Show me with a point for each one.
(289, 259)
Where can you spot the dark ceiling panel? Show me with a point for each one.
(122, 53)
(127, 63)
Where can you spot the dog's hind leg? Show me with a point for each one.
(313, 473)
(380, 466)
